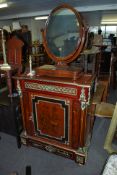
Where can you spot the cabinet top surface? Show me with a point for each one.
(82, 80)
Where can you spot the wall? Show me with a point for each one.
(33, 25)
(92, 19)
(36, 26)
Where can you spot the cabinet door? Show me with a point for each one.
(52, 117)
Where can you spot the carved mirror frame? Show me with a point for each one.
(81, 41)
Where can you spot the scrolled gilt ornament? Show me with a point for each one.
(23, 141)
(83, 105)
(82, 95)
(50, 149)
(83, 99)
(19, 88)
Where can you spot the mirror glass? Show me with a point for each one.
(63, 33)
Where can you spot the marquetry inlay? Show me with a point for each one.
(51, 88)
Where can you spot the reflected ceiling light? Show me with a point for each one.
(3, 5)
(108, 22)
(41, 17)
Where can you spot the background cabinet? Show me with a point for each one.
(10, 116)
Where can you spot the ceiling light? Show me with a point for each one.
(108, 22)
(3, 5)
(41, 17)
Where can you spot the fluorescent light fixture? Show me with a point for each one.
(41, 17)
(108, 22)
(3, 5)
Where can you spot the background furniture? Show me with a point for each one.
(26, 36)
(107, 110)
(39, 55)
(113, 67)
(10, 116)
(90, 61)
(111, 132)
(14, 59)
(14, 53)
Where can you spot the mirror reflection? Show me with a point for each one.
(63, 33)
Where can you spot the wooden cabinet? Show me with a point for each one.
(55, 114)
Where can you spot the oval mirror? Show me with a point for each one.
(63, 34)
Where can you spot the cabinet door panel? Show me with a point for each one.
(52, 117)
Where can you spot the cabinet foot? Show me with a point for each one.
(81, 155)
